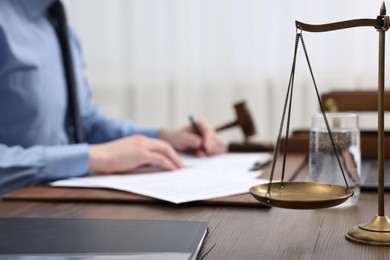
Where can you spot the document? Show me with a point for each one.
(199, 179)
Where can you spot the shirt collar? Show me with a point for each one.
(36, 8)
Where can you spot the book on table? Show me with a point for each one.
(97, 239)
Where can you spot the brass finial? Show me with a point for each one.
(383, 9)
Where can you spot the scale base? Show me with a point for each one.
(375, 233)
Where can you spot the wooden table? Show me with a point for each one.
(239, 232)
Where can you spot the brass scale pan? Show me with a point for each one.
(301, 195)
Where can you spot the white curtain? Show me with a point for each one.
(157, 61)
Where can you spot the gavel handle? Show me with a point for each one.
(226, 126)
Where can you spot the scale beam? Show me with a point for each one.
(380, 23)
(377, 23)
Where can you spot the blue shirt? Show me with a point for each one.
(34, 146)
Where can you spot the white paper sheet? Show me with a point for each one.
(199, 179)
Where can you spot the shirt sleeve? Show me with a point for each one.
(21, 167)
(99, 128)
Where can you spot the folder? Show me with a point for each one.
(295, 161)
(37, 238)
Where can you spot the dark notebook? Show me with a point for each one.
(37, 238)
(369, 176)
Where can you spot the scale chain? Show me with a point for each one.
(288, 102)
(289, 93)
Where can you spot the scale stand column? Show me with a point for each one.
(377, 231)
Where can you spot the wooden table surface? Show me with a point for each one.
(239, 232)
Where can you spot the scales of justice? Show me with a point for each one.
(314, 195)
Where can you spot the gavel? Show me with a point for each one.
(244, 121)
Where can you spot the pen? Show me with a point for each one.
(197, 131)
(259, 165)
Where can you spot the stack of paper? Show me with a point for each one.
(199, 179)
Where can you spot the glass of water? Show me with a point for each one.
(323, 164)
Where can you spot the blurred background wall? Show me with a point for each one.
(156, 62)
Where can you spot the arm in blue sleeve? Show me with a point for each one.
(20, 167)
(99, 128)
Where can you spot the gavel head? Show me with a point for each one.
(244, 121)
